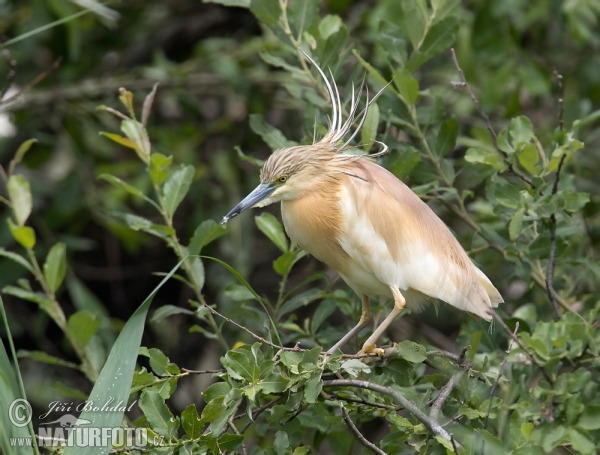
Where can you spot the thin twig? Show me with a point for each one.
(522, 346)
(40, 77)
(236, 431)
(561, 95)
(337, 397)
(497, 381)
(257, 412)
(12, 72)
(488, 124)
(552, 255)
(434, 426)
(254, 335)
(222, 370)
(368, 444)
(436, 407)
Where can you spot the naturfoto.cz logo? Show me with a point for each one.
(68, 430)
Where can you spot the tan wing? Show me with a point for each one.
(390, 232)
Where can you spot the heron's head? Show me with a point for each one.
(290, 172)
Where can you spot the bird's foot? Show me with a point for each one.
(370, 349)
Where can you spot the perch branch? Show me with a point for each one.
(445, 392)
(488, 124)
(369, 445)
(522, 346)
(487, 415)
(433, 425)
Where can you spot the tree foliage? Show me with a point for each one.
(490, 118)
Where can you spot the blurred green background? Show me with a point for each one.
(206, 59)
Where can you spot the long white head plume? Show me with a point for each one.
(338, 130)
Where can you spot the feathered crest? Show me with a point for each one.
(338, 130)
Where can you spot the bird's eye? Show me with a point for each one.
(282, 179)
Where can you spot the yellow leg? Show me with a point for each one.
(399, 303)
(365, 318)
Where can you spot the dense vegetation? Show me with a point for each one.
(110, 214)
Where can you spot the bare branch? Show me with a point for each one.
(522, 346)
(254, 335)
(12, 72)
(487, 415)
(222, 370)
(561, 96)
(433, 425)
(488, 124)
(436, 407)
(369, 445)
(40, 77)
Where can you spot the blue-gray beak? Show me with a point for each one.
(258, 194)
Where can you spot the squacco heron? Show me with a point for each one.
(367, 225)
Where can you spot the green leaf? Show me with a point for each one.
(281, 443)
(136, 133)
(197, 273)
(590, 418)
(159, 362)
(439, 37)
(247, 158)
(284, 263)
(11, 389)
(266, 11)
(411, 351)
(40, 356)
(191, 423)
(406, 162)
(370, 68)
(157, 413)
(446, 138)
(83, 325)
(573, 202)
(207, 232)
(137, 223)
(407, 86)
(159, 167)
(329, 25)
(168, 310)
(502, 142)
(237, 3)
(21, 151)
(369, 129)
(302, 14)
(16, 258)
(19, 194)
(241, 365)
(520, 130)
(55, 266)
(313, 388)
(271, 135)
(126, 186)
(22, 234)
(114, 382)
(120, 140)
(274, 383)
(216, 390)
(515, 226)
(413, 20)
(581, 443)
(354, 367)
(176, 187)
(272, 228)
(43, 301)
(489, 157)
(529, 158)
